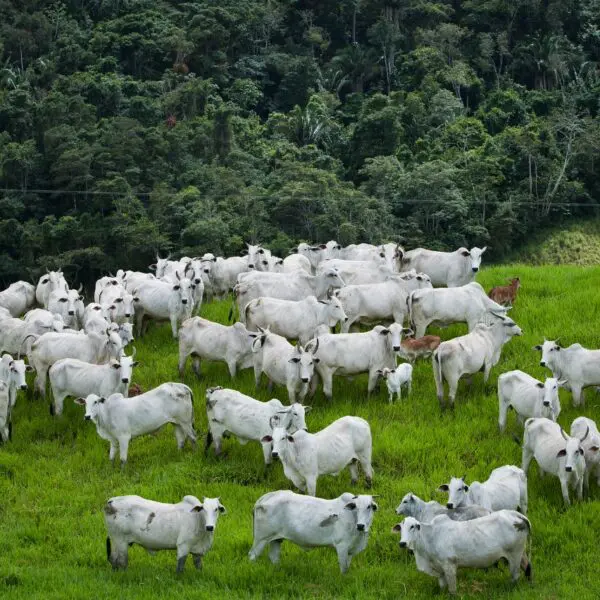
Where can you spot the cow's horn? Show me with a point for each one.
(586, 433)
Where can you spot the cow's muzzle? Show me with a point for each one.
(210, 528)
(88, 418)
(274, 454)
(360, 526)
(396, 348)
(305, 380)
(475, 269)
(568, 469)
(184, 302)
(402, 544)
(542, 363)
(24, 386)
(450, 505)
(71, 313)
(125, 380)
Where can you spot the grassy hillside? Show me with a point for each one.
(574, 244)
(56, 476)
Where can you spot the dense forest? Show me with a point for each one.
(131, 126)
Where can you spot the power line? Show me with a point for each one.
(405, 201)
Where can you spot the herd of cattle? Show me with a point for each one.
(302, 298)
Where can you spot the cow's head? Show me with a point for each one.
(393, 333)
(550, 400)
(333, 278)
(208, 512)
(409, 531)
(335, 311)
(18, 370)
(305, 361)
(93, 405)
(457, 492)
(258, 257)
(291, 418)
(362, 508)
(407, 505)
(279, 438)
(550, 349)
(573, 450)
(473, 256)
(184, 289)
(125, 366)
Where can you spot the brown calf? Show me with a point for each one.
(412, 349)
(505, 294)
(135, 390)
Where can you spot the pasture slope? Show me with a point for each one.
(55, 477)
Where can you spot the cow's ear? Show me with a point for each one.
(466, 488)
(222, 509)
(136, 299)
(594, 448)
(562, 452)
(102, 400)
(466, 253)
(112, 307)
(197, 508)
(80, 401)
(290, 438)
(385, 332)
(81, 298)
(116, 365)
(266, 439)
(538, 347)
(444, 487)
(540, 385)
(296, 359)
(418, 526)
(397, 528)
(350, 506)
(330, 520)
(316, 360)
(176, 287)
(28, 368)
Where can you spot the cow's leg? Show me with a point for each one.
(577, 392)
(487, 367)
(257, 374)
(59, 402)
(119, 553)
(197, 561)
(139, 321)
(527, 455)
(303, 392)
(182, 554)
(452, 387)
(275, 551)
(267, 449)
(327, 377)
(180, 436)
(123, 448)
(345, 325)
(196, 366)
(373, 377)
(514, 565)
(291, 388)
(502, 411)
(580, 483)
(113, 450)
(353, 468)
(586, 482)
(364, 458)
(232, 366)
(344, 557)
(257, 548)
(173, 320)
(564, 486)
(438, 376)
(311, 486)
(183, 356)
(450, 575)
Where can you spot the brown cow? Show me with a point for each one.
(506, 294)
(411, 349)
(135, 390)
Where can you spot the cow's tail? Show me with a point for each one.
(108, 549)
(409, 305)
(247, 310)
(436, 358)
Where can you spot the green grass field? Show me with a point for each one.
(55, 477)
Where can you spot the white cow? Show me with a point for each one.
(73, 377)
(206, 340)
(343, 523)
(248, 419)
(53, 280)
(444, 545)
(396, 379)
(49, 348)
(125, 332)
(385, 301)
(469, 354)
(188, 527)
(506, 488)
(591, 448)
(555, 453)
(284, 364)
(69, 305)
(452, 269)
(285, 286)
(162, 301)
(118, 303)
(16, 335)
(318, 253)
(224, 274)
(293, 262)
(355, 353)
(131, 279)
(467, 304)
(161, 265)
(354, 271)
(13, 373)
(413, 506)
(578, 365)
(528, 397)
(18, 298)
(388, 254)
(5, 413)
(258, 257)
(119, 419)
(305, 456)
(294, 320)
(107, 281)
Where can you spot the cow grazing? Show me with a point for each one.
(248, 419)
(527, 396)
(69, 305)
(444, 545)
(12, 372)
(468, 354)
(162, 301)
(5, 413)
(305, 456)
(506, 294)
(412, 349)
(119, 419)
(343, 523)
(53, 280)
(354, 353)
(188, 527)
(467, 304)
(396, 379)
(49, 348)
(18, 298)
(284, 364)
(452, 269)
(412, 506)
(73, 377)
(294, 320)
(205, 340)
(506, 488)
(16, 335)
(577, 365)
(555, 453)
(591, 448)
(385, 301)
(285, 286)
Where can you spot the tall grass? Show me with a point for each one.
(55, 477)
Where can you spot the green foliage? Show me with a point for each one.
(465, 122)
